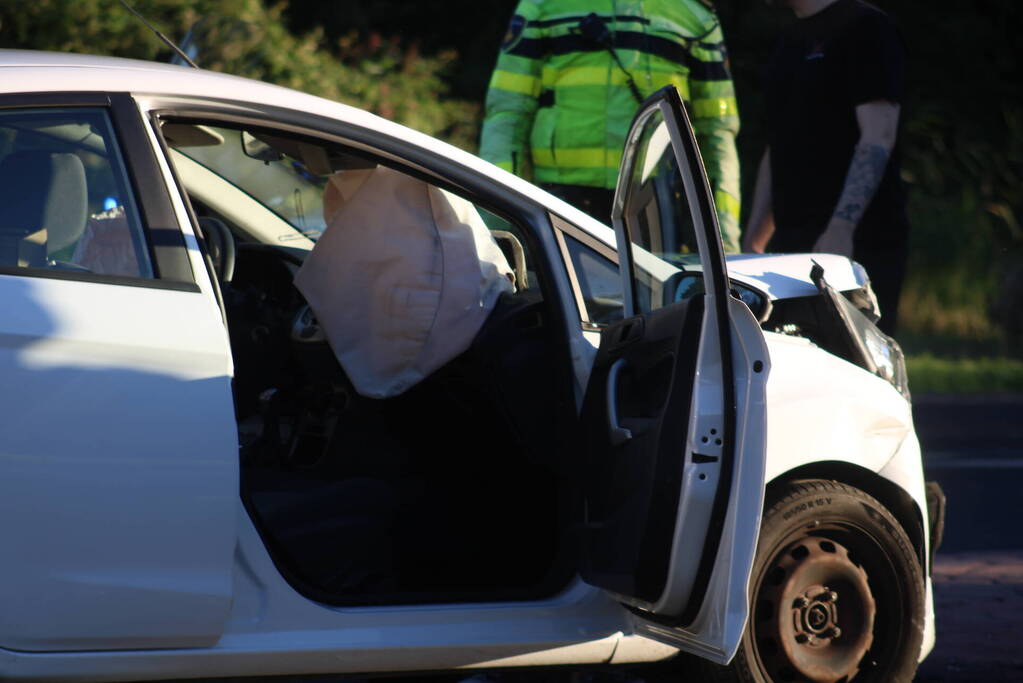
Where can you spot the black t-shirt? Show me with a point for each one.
(825, 65)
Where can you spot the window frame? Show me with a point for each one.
(530, 218)
(164, 242)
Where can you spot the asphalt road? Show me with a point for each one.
(974, 448)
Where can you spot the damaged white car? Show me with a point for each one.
(291, 389)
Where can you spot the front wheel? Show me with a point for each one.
(837, 593)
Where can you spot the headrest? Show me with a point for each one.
(43, 190)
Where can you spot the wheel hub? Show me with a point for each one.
(815, 613)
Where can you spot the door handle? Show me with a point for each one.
(618, 434)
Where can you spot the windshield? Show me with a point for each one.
(281, 184)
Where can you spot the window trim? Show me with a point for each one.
(164, 242)
(200, 236)
(97, 278)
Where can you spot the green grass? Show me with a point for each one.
(954, 349)
(932, 374)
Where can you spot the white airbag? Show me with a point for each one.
(402, 279)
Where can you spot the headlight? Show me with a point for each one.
(869, 347)
(881, 352)
(889, 361)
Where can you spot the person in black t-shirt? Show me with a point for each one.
(829, 179)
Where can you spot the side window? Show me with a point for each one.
(599, 282)
(67, 203)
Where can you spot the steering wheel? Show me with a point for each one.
(221, 246)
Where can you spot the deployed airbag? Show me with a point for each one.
(402, 279)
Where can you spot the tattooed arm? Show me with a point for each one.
(878, 122)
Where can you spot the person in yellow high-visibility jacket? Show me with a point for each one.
(570, 77)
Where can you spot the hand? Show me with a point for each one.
(753, 243)
(835, 240)
(758, 234)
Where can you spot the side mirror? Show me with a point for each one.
(684, 285)
(758, 303)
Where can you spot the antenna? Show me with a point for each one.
(159, 35)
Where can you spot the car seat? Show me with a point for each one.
(45, 209)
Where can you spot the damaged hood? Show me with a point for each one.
(787, 276)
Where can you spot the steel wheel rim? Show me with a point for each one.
(815, 611)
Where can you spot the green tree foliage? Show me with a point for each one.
(249, 38)
(471, 27)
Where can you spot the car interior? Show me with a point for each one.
(455, 490)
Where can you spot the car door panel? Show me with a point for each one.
(117, 498)
(717, 626)
(119, 491)
(631, 391)
(677, 447)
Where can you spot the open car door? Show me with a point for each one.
(674, 413)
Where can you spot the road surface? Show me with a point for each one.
(974, 449)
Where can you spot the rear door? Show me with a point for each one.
(674, 411)
(118, 448)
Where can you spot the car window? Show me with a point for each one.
(600, 284)
(599, 281)
(66, 201)
(256, 165)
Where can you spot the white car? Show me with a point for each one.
(643, 449)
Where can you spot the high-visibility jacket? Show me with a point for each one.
(559, 102)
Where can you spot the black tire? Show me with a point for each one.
(837, 593)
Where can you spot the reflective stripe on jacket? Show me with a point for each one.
(560, 105)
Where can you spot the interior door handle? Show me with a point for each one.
(619, 435)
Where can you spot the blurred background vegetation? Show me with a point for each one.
(426, 64)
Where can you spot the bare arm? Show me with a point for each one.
(760, 226)
(878, 122)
